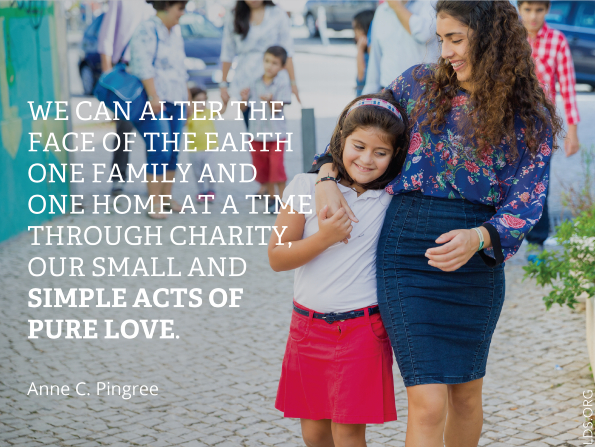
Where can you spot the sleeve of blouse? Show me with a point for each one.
(401, 87)
(522, 207)
(285, 39)
(142, 51)
(228, 44)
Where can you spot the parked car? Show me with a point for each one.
(576, 19)
(202, 43)
(339, 13)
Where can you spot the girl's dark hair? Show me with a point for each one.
(161, 5)
(373, 117)
(363, 20)
(241, 20)
(503, 74)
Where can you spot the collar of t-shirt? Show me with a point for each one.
(369, 194)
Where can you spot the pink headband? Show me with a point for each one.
(376, 102)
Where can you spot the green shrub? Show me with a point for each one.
(571, 270)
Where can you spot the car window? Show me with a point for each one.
(585, 16)
(196, 25)
(559, 12)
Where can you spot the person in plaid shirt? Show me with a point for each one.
(553, 62)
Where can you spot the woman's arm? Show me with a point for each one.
(521, 209)
(291, 71)
(149, 85)
(225, 67)
(294, 251)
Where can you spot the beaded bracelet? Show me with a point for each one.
(324, 179)
(481, 240)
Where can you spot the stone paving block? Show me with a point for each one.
(218, 381)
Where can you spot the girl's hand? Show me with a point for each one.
(328, 194)
(461, 246)
(334, 229)
(245, 94)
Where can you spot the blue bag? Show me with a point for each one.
(120, 87)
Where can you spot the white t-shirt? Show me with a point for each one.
(343, 277)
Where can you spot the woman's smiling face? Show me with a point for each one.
(454, 40)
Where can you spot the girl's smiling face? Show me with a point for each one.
(367, 155)
(454, 40)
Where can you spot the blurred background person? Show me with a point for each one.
(553, 63)
(200, 123)
(119, 22)
(251, 28)
(361, 25)
(268, 156)
(403, 35)
(157, 59)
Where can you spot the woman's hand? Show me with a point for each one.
(460, 247)
(224, 95)
(156, 105)
(334, 229)
(327, 194)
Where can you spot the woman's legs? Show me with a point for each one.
(325, 433)
(444, 415)
(427, 407)
(154, 187)
(465, 414)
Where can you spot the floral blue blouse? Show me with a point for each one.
(442, 165)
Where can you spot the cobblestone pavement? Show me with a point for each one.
(217, 381)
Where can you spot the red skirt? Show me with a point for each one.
(340, 371)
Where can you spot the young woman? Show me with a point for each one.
(157, 59)
(337, 370)
(473, 186)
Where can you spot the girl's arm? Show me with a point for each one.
(295, 251)
(328, 194)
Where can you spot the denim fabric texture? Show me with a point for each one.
(166, 129)
(440, 324)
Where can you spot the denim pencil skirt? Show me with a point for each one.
(440, 324)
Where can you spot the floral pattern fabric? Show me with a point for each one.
(443, 165)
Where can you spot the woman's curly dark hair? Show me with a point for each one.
(395, 130)
(241, 17)
(503, 74)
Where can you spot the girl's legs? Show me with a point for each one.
(349, 435)
(325, 433)
(317, 433)
(444, 415)
(465, 414)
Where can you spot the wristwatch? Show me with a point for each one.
(223, 84)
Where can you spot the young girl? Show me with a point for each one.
(337, 370)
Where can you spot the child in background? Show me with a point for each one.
(361, 24)
(337, 370)
(200, 123)
(553, 62)
(268, 158)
